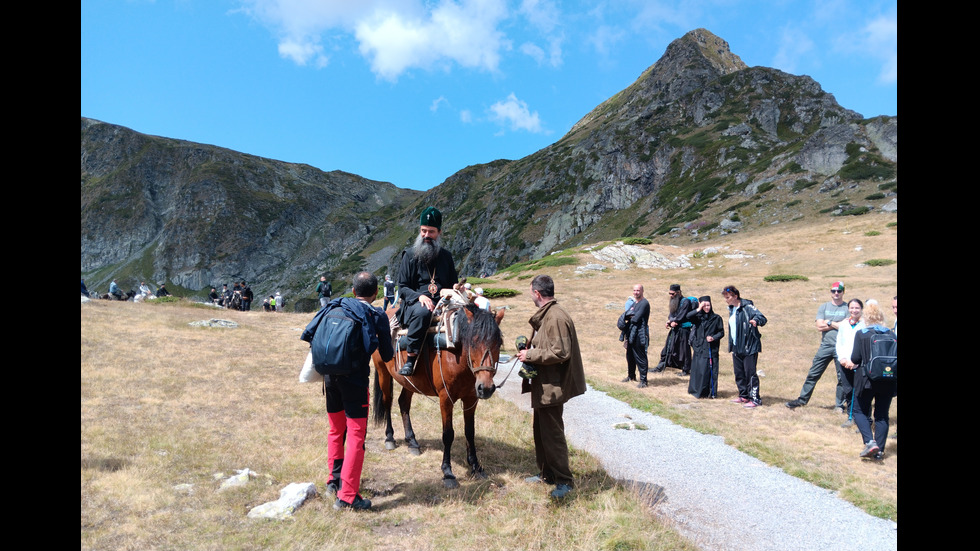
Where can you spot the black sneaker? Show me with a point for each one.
(795, 404)
(626, 380)
(332, 488)
(408, 367)
(643, 384)
(359, 504)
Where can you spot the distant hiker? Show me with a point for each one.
(829, 317)
(267, 303)
(745, 343)
(225, 295)
(115, 291)
(272, 302)
(677, 349)
(214, 297)
(637, 337)
(85, 292)
(145, 290)
(162, 291)
(279, 302)
(389, 292)
(324, 289)
(426, 269)
(247, 296)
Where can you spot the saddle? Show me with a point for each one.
(444, 331)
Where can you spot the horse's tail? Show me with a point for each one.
(380, 414)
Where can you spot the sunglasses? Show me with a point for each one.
(837, 291)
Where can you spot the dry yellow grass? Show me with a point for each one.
(164, 404)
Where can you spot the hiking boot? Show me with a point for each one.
(684, 374)
(408, 367)
(626, 380)
(838, 409)
(795, 404)
(870, 449)
(332, 488)
(643, 384)
(660, 367)
(561, 491)
(847, 423)
(750, 404)
(359, 504)
(739, 400)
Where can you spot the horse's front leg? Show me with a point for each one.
(469, 429)
(405, 406)
(448, 435)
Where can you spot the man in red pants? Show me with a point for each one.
(347, 396)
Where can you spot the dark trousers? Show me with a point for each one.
(550, 447)
(881, 392)
(415, 319)
(636, 359)
(746, 378)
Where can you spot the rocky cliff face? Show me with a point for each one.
(198, 215)
(698, 129)
(698, 134)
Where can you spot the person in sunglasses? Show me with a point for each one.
(829, 317)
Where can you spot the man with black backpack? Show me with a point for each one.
(343, 335)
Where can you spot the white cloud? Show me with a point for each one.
(394, 35)
(793, 45)
(514, 113)
(466, 116)
(437, 102)
(881, 40)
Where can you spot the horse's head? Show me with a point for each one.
(481, 341)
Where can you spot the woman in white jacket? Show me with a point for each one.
(845, 344)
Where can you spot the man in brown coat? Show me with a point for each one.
(554, 354)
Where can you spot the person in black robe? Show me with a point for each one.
(707, 332)
(426, 269)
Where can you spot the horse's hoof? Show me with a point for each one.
(450, 483)
(389, 445)
(414, 451)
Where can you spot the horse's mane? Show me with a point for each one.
(483, 329)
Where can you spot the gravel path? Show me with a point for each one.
(715, 495)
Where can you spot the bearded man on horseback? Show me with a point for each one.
(426, 269)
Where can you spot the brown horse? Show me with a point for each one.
(465, 373)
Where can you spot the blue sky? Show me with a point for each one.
(410, 91)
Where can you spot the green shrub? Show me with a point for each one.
(793, 203)
(163, 300)
(875, 196)
(636, 241)
(855, 211)
(891, 225)
(879, 262)
(499, 293)
(785, 277)
(872, 233)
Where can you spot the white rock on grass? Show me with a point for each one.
(290, 499)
